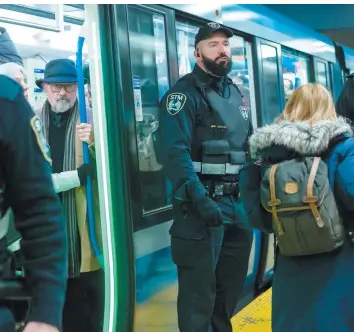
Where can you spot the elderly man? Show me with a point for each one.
(83, 310)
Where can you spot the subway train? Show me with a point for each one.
(135, 53)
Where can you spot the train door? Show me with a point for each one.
(151, 57)
(140, 42)
(271, 100)
(270, 82)
(112, 170)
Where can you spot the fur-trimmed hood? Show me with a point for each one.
(300, 137)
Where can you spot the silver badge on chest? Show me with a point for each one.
(244, 112)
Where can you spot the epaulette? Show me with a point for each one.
(9, 88)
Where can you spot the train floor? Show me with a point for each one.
(256, 316)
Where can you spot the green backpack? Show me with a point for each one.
(305, 216)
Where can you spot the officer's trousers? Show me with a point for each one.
(7, 322)
(211, 273)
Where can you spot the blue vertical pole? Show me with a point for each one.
(83, 119)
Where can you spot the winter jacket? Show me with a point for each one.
(310, 293)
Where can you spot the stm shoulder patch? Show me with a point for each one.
(37, 128)
(175, 102)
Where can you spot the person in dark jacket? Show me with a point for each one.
(345, 102)
(310, 293)
(27, 188)
(11, 65)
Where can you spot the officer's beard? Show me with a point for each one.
(217, 68)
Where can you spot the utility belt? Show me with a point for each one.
(220, 160)
(216, 189)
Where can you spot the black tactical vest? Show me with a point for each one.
(227, 119)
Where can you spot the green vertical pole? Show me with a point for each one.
(111, 151)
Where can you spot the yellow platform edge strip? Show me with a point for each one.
(255, 317)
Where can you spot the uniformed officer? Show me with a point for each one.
(203, 133)
(26, 187)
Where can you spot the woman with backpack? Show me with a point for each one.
(300, 187)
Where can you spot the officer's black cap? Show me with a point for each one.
(207, 30)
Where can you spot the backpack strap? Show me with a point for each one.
(274, 202)
(310, 198)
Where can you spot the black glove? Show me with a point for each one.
(83, 172)
(208, 211)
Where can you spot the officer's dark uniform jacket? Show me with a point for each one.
(193, 114)
(25, 177)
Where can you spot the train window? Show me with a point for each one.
(241, 72)
(185, 35)
(270, 83)
(295, 72)
(322, 74)
(149, 66)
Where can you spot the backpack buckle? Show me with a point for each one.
(274, 202)
(310, 199)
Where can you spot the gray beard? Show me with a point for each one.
(62, 106)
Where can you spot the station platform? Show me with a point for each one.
(256, 316)
(159, 314)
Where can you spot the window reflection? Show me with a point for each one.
(185, 35)
(321, 74)
(150, 82)
(240, 68)
(270, 84)
(295, 73)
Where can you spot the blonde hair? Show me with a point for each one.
(311, 103)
